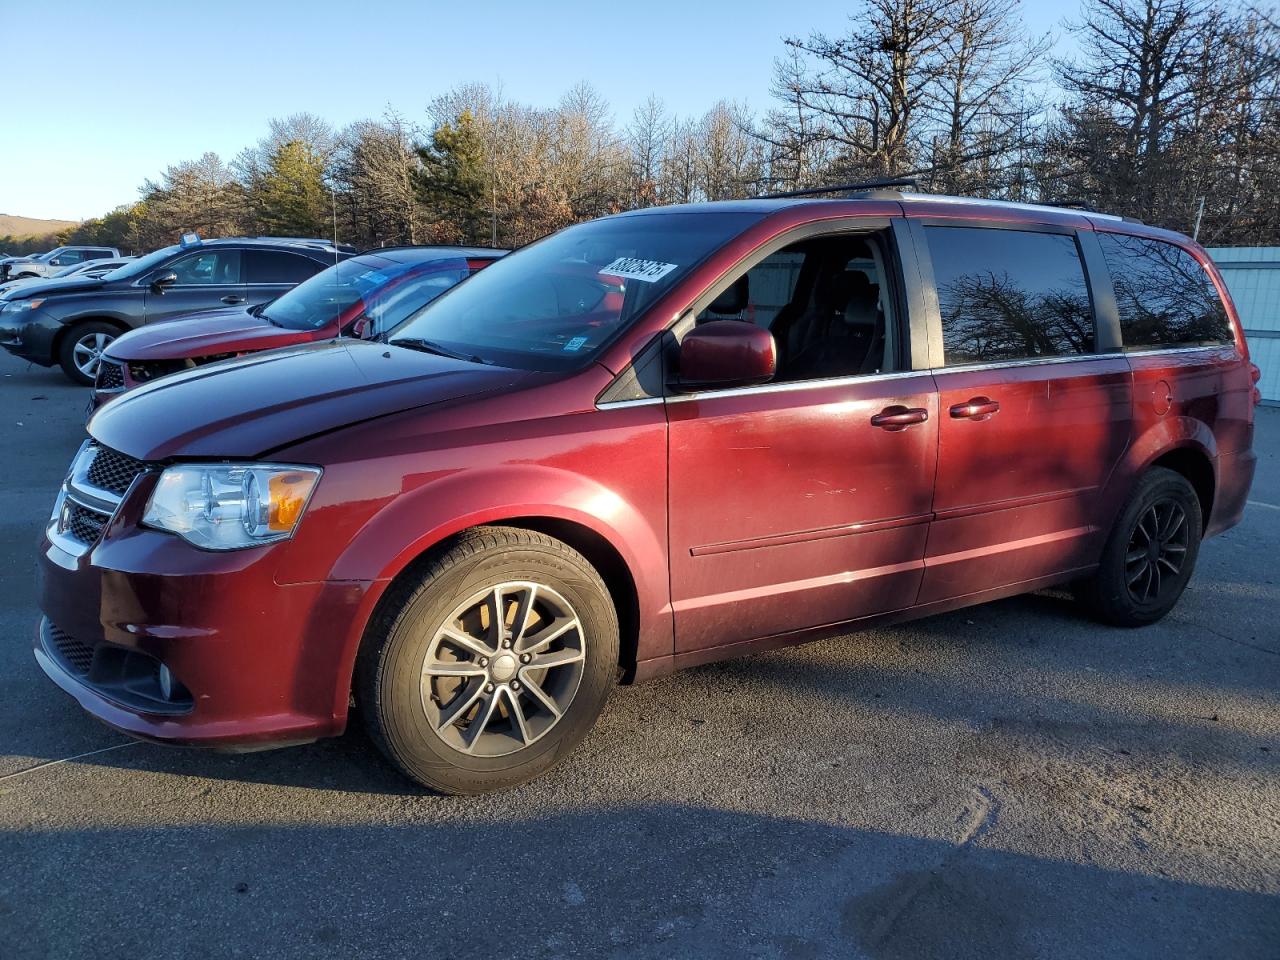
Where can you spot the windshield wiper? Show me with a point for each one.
(430, 346)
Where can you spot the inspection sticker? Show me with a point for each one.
(650, 271)
(574, 345)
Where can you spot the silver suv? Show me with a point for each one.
(47, 264)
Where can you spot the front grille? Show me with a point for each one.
(113, 471)
(84, 524)
(76, 655)
(110, 376)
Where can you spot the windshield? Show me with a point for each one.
(380, 288)
(554, 304)
(136, 268)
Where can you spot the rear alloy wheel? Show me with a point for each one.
(82, 350)
(492, 664)
(1150, 554)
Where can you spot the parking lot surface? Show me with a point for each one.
(1006, 781)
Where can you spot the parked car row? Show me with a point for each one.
(648, 441)
(47, 264)
(70, 321)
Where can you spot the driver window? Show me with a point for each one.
(827, 303)
(208, 267)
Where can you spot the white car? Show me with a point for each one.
(89, 268)
(47, 264)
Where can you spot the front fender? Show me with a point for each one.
(411, 523)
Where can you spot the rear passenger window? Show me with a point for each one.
(1009, 294)
(271, 266)
(1165, 297)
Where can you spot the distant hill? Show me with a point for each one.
(11, 226)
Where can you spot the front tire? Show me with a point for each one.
(1150, 553)
(490, 665)
(82, 348)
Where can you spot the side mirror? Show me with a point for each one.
(726, 353)
(164, 280)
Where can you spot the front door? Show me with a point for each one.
(806, 501)
(1032, 420)
(207, 280)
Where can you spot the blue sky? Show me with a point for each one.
(113, 93)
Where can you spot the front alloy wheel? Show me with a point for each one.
(503, 669)
(83, 348)
(492, 661)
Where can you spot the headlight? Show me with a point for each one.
(17, 306)
(230, 506)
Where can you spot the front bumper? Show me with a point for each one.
(30, 338)
(251, 663)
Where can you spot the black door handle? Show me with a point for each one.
(232, 298)
(899, 418)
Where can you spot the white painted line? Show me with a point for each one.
(1259, 503)
(78, 756)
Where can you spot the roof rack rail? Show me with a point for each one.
(881, 184)
(1084, 205)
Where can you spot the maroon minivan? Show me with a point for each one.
(648, 441)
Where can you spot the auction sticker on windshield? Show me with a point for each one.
(649, 271)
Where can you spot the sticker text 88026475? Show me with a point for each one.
(631, 268)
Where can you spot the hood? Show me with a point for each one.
(44, 288)
(226, 330)
(255, 404)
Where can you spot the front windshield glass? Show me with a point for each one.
(136, 268)
(554, 304)
(369, 285)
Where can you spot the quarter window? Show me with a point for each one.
(1009, 294)
(1165, 297)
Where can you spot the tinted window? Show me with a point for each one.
(1164, 296)
(69, 257)
(1009, 294)
(272, 266)
(99, 255)
(207, 267)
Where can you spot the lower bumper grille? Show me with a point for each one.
(128, 678)
(76, 655)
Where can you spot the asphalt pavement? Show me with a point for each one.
(1010, 780)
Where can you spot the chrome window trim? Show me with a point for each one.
(901, 374)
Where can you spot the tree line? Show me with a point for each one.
(1166, 111)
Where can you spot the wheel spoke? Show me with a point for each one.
(1138, 575)
(471, 644)
(517, 714)
(1155, 577)
(1175, 548)
(523, 612)
(456, 668)
(82, 349)
(557, 658)
(548, 634)
(1169, 565)
(1176, 519)
(541, 696)
(461, 704)
(488, 706)
(497, 617)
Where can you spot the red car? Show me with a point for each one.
(652, 440)
(364, 296)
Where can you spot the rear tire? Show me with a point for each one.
(82, 348)
(463, 701)
(1150, 553)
